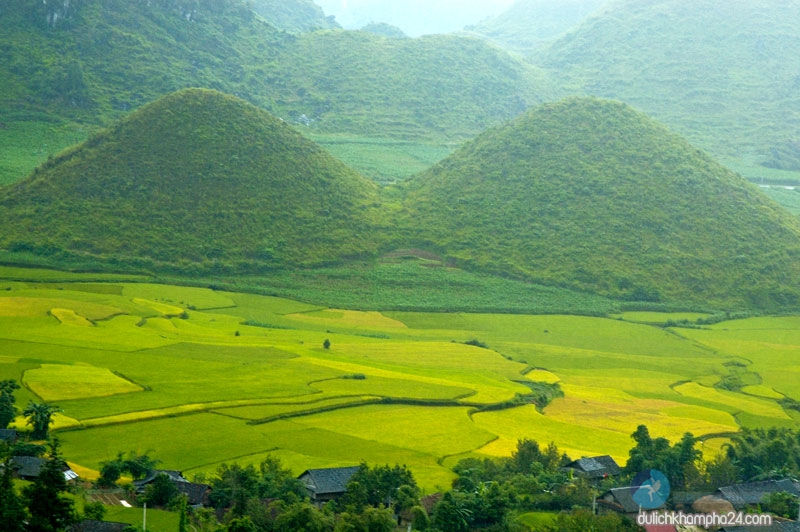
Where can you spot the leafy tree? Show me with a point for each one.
(50, 510)
(371, 520)
(12, 510)
(419, 518)
(94, 511)
(40, 416)
(760, 454)
(233, 486)
(303, 517)
(373, 486)
(161, 492)
(139, 466)
(782, 504)
(205, 520)
(528, 453)
(7, 409)
(242, 524)
(278, 482)
(183, 520)
(721, 471)
(452, 513)
(678, 462)
(110, 472)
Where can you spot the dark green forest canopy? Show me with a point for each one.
(593, 195)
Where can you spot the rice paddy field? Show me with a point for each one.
(197, 377)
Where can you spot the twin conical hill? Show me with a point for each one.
(590, 194)
(198, 179)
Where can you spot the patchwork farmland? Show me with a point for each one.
(197, 377)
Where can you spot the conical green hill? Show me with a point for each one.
(590, 194)
(196, 179)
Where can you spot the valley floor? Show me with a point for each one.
(200, 377)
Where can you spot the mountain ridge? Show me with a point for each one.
(726, 76)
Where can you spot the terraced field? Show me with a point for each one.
(198, 377)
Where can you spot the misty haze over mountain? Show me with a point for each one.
(414, 17)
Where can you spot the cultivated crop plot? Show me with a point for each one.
(198, 377)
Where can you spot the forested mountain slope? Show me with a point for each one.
(529, 24)
(724, 74)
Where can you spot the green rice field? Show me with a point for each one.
(198, 377)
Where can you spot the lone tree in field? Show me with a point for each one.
(40, 417)
(7, 409)
(326, 344)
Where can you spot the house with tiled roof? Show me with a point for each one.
(324, 485)
(595, 468)
(753, 493)
(618, 500)
(196, 494)
(99, 526)
(778, 525)
(29, 468)
(8, 435)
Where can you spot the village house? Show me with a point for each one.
(325, 485)
(742, 496)
(9, 436)
(196, 494)
(778, 525)
(29, 468)
(99, 526)
(594, 468)
(618, 500)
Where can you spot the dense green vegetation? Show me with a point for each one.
(433, 87)
(530, 24)
(727, 78)
(293, 16)
(94, 61)
(514, 290)
(592, 195)
(585, 194)
(197, 178)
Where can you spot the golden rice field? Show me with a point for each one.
(198, 377)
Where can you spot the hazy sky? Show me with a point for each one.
(414, 17)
